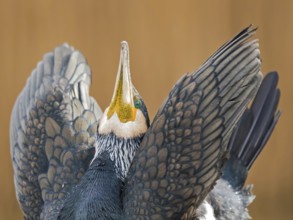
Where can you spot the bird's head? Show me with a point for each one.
(125, 121)
(126, 116)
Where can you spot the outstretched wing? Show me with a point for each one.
(52, 132)
(182, 153)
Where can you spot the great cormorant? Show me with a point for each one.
(73, 162)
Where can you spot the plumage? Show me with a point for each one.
(86, 202)
(253, 131)
(53, 128)
(230, 198)
(182, 153)
(73, 162)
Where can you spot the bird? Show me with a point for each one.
(73, 161)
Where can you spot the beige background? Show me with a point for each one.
(167, 39)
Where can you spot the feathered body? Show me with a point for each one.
(166, 170)
(88, 201)
(97, 196)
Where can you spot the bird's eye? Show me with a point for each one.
(137, 103)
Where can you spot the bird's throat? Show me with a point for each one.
(121, 151)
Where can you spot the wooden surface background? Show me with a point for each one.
(167, 39)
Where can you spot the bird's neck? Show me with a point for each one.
(98, 194)
(121, 151)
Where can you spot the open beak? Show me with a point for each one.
(122, 101)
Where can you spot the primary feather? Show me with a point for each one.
(230, 198)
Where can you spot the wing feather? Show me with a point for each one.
(53, 127)
(181, 155)
(252, 131)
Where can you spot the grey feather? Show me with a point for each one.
(229, 204)
(52, 132)
(230, 198)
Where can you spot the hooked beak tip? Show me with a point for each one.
(124, 56)
(124, 45)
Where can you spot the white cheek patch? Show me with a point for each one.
(124, 130)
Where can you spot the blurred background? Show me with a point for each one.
(167, 39)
